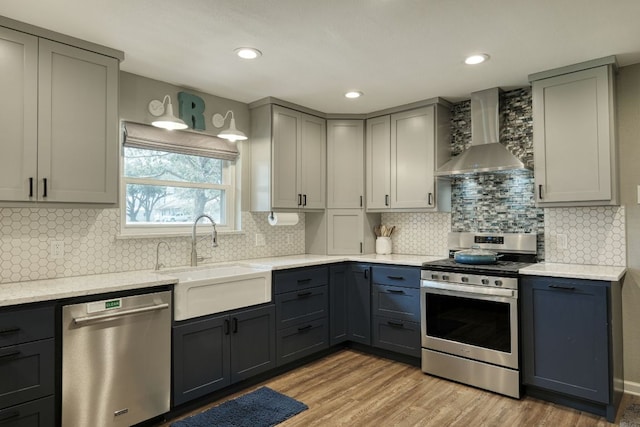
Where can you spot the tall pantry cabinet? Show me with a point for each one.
(59, 120)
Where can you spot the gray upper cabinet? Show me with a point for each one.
(288, 159)
(403, 150)
(345, 164)
(61, 142)
(574, 137)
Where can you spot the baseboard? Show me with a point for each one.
(631, 387)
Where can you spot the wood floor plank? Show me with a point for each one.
(350, 388)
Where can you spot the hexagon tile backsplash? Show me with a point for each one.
(594, 235)
(92, 245)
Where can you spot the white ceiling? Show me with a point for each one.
(395, 51)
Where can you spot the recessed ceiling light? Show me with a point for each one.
(476, 59)
(353, 94)
(248, 53)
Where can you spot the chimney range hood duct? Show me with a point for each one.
(485, 154)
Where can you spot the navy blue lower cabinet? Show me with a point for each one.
(338, 307)
(397, 335)
(359, 303)
(212, 352)
(571, 332)
(302, 340)
(37, 413)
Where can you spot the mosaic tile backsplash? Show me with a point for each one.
(595, 235)
(92, 246)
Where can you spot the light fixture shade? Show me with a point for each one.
(168, 120)
(232, 134)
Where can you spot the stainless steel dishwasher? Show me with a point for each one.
(116, 360)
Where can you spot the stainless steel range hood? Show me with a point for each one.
(485, 154)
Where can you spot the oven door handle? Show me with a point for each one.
(472, 291)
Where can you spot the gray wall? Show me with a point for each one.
(628, 102)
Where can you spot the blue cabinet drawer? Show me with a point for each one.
(301, 340)
(300, 278)
(20, 325)
(301, 306)
(408, 277)
(26, 372)
(396, 302)
(397, 335)
(35, 413)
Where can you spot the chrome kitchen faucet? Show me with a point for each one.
(214, 239)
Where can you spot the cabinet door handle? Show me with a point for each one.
(395, 291)
(386, 200)
(304, 328)
(395, 277)
(44, 191)
(360, 201)
(226, 327)
(304, 294)
(9, 331)
(299, 199)
(430, 199)
(10, 354)
(540, 191)
(395, 324)
(360, 247)
(9, 415)
(366, 273)
(564, 288)
(235, 325)
(304, 200)
(301, 281)
(30, 186)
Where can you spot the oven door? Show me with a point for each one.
(473, 322)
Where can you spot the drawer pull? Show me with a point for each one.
(565, 288)
(9, 331)
(304, 294)
(300, 281)
(9, 415)
(395, 277)
(304, 328)
(11, 354)
(395, 324)
(395, 291)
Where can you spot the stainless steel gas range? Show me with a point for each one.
(470, 312)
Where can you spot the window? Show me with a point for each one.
(164, 191)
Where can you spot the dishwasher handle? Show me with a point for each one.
(85, 319)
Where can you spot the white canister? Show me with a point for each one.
(383, 245)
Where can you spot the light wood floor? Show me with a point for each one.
(350, 388)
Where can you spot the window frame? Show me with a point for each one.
(157, 230)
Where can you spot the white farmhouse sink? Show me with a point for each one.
(212, 290)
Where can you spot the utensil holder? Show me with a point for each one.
(383, 245)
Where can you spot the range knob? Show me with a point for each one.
(485, 281)
(464, 279)
(434, 277)
(498, 282)
(445, 277)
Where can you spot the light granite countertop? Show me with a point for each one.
(16, 293)
(67, 287)
(576, 271)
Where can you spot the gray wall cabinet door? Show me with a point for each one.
(574, 138)
(286, 133)
(77, 125)
(18, 114)
(566, 337)
(378, 166)
(345, 164)
(312, 166)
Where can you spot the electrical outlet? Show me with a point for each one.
(561, 241)
(260, 241)
(289, 239)
(57, 249)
